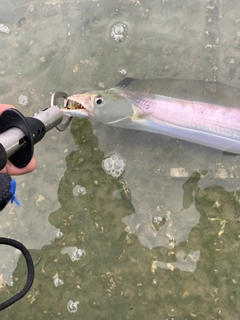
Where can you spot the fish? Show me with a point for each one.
(203, 112)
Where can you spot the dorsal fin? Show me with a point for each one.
(195, 90)
(125, 82)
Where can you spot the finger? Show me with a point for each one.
(12, 170)
(4, 107)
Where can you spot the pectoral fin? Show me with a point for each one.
(137, 114)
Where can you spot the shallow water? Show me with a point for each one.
(162, 240)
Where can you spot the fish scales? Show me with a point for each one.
(189, 114)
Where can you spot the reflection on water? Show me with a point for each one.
(185, 262)
(160, 240)
(110, 267)
(179, 221)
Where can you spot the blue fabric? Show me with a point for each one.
(13, 190)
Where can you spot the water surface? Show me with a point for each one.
(162, 240)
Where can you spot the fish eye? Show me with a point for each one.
(99, 100)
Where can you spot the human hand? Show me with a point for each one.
(10, 168)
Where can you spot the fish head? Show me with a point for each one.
(103, 106)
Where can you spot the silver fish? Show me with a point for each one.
(202, 112)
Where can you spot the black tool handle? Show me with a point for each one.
(33, 129)
(18, 134)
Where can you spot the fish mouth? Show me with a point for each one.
(74, 108)
(74, 105)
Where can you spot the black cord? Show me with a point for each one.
(30, 269)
